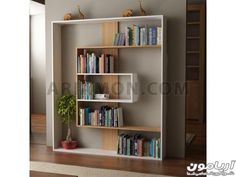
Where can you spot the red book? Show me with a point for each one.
(140, 147)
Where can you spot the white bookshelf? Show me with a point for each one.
(59, 32)
(101, 152)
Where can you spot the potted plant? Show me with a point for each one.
(66, 110)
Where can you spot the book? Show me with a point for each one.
(128, 146)
(101, 64)
(150, 36)
(159, 36)
(106, 64)
(130, 36)
(83, 64)
(116, 39)
(140, 142)
(78, 64)
(120, 117)
(126, 36)
(154, 35)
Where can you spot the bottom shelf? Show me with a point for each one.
(101, 152)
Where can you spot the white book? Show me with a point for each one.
(127, 36)
(159, 36)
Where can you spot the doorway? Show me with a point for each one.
(195, 103)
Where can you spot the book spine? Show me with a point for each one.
(130, 36)
(78, 64)
(111, 62)
(120, 117)
(128, 146)
(141, 36)
(107, 64)
(101, 64)
(159, 36)
(126, 36)
(154, 35)
(150, 36)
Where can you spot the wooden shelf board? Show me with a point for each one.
(108, 101)
(193, 23)
(112, 19)
(118, 47)
(129, 128)
(104, 74)
(101, 152)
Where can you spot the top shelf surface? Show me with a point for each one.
(118, 19)
(118, 47)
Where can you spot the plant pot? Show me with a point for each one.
(69, 144)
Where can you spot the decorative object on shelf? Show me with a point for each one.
(142, 11)
(102, 96)
(66, 109)
(68, 16)
(81, 15)
(127, 13)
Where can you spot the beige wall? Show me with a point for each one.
(175, 11)
(37, 63)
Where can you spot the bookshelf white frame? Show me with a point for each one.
(57, 80)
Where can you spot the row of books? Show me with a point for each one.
(139, 36)
(87, 89)
(136, 145)
(90, 63)
(105, 116)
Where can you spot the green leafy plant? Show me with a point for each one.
(66, 109)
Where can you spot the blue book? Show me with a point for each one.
(154, 35)
(150, 36)
(150, 150)
(87, 111)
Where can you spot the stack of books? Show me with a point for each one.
(105, 116)
(87, 89)
(90, 63)
(137, 146)
(139, 36)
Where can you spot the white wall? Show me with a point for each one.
(37, 59)
(175, 11)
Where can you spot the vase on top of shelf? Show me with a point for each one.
(66, 109)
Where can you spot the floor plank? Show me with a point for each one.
(42, 174)
(173, 167)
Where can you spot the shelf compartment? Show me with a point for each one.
(127, 83)
(118, 47)
(104, 74)
(128, 128)
(100, 152)
(108, 100)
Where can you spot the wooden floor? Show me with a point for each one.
(174, 167)
(197, 149)
(42, 174)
